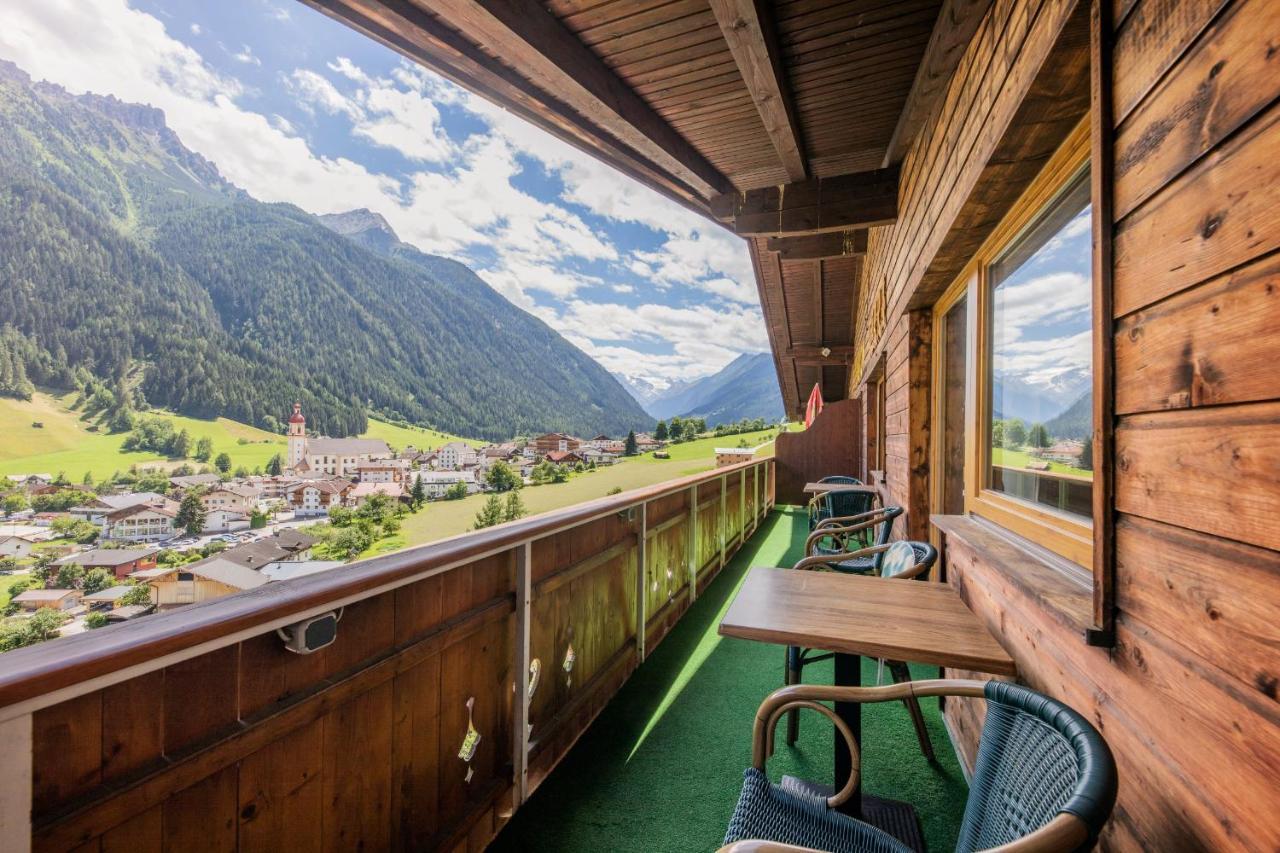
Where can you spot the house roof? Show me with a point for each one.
(561, 455)
(107, 556)
(287, 570)
(347, 447)
(189, 480)
(45, 595)
(129, 499)
(212, 568)
(255, 555)
(391, 490)
(167, 508)
(236, 489)
(109, 594)
(328, 487)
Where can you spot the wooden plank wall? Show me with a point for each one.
(1187, 699)
(831, 445)
(250, 747)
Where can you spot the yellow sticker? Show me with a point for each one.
(469, 743)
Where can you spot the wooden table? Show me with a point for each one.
(822, 488)
(853, 615)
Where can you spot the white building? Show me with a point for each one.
(436, 483)
(383, 471)
(231, 497)
(316, 497)
(141, 523)
(225, 521)
(457, 454)
(336, 456)
(15, 546)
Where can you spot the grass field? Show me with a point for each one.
(1020, 458)
(440, 519)
(401, 437)
(66, 444)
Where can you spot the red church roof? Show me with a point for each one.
(297, 417)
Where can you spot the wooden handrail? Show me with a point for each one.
(55, 671)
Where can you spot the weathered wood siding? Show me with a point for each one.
(356, 747)
(1188, 696)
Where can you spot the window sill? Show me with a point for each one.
(1061, 588)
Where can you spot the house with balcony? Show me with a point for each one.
(966, 220)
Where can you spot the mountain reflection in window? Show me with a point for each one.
(1040, 419)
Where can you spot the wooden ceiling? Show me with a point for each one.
(784, 121)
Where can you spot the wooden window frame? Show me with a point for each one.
(938, 379)
(876, 422)
(1062, 534)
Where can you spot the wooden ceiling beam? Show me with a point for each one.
(814, 206)
(749, 29)
(833, 244)
(957, 22)
(526, 36)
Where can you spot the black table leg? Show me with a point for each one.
(848, 673)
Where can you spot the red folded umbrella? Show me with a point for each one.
(814, 407)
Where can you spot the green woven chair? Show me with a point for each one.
(1044, 779)
(838, 503)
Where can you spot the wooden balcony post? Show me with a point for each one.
(692, 538)
(642, 578)
(742, 507)
(16, 783)
(724, 518)
(524, 603)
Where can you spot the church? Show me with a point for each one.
(335, 456)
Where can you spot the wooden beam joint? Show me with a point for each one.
(814, 206)
(834, 244)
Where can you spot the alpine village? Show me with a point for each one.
(770, 426)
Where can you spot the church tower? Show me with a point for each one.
(297, 437)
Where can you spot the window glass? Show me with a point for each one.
(954, 330)
(1040, 420)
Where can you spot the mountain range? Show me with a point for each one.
(747, 387)
(130, 259)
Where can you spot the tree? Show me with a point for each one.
(43, 625)
(87, 479)
(418, 494)
(275, 465)
(69, 576)
(204, 449)
(222, 462)
(1015, 433)
(660, 431)
(140, 594)
(1086, 453)
(997, 433)
(191, 514)
(96, 580)
(490, 514)
(15, 503)
(96, 620)
(456, 492)
(630, 448)
(502, 477)
(257, 519)
(1038, 436)
(181, 445)
(514, 508)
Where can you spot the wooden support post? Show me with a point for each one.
(642, 577)
(724, 518)
(693, 543)
(742, 507)
(16, 784)
(524, 604)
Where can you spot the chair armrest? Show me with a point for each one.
(846, 520)
(826, 559)
(755, 845)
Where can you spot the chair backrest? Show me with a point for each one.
(1036, 759)
(842, 479)
(903, 556)
(841, 504)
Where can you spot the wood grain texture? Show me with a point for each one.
(829, 446)
(919, 622)
(1214, 344)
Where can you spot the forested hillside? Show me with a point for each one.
(123, 254)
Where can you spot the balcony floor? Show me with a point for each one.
(661, 767)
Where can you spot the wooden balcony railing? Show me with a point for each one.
(196, 729)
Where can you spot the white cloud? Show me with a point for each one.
(195, 29)
(246, 56)
(1021, 306)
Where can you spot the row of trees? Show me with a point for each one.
(679, 429)
(496, 510)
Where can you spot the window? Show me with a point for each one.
(1013, 367)
(1039, 414)
(875, 421)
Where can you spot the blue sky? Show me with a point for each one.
(295, 107)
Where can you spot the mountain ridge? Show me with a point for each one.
(139, 255)
(747, 387)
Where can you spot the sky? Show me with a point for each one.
(1041, 316)
(295, 107)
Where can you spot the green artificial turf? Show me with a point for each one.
(661, 767)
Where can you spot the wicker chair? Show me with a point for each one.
(848, 536)
(902, 560)
(1044, 779)
(829, 504)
